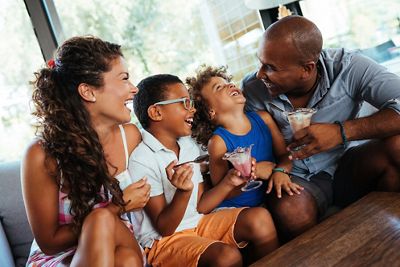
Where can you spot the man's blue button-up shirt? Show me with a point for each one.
(348, 79)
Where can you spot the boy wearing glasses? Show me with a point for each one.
(173, 229)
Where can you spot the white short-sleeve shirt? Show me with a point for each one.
(150, 159)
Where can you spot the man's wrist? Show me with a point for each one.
(345, 142)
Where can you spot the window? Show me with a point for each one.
(237, 32)
(20, 56)
(373, 26)
(156, 35)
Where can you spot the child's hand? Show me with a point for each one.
(233, 178)
(280, 181)
(253, 168)
(264, 169)
(180, 177)
(137, 194)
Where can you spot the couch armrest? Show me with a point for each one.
(6, 257)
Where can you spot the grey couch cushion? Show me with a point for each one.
(12, 212)
(6, 258)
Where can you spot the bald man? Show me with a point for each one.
(333, 163)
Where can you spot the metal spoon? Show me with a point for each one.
(199, 159)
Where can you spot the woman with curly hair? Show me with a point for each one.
(71, 173)
(221, 125)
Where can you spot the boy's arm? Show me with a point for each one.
(164, 216)
(167, 217)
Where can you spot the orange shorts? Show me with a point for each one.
(184, 248)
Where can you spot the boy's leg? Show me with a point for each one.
(187, 248)
(240, 226)
(255, 225)
(220, 254)
(374, 165)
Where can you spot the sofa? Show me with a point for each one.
(15, 233)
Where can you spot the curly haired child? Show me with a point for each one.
(220, 125)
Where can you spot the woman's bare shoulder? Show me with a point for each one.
(133, 135)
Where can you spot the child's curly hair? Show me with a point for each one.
(203, 127)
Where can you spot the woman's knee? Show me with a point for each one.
(99, 219)
(220, 254)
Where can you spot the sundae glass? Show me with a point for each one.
(300, 118)
(241, 161)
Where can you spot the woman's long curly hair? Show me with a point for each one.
(65, 128)
(203, 127)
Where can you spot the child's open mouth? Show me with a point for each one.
(129, 104)
(234, 93)
(189, 121)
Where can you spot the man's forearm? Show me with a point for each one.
(384, 123)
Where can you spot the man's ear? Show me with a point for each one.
(309, 68)
(154, 113)
(86, 92)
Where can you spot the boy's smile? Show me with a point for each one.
(178, 112)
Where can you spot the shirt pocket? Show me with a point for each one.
(336, 107)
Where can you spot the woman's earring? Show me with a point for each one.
(94, 99)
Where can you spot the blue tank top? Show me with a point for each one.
(260, 137)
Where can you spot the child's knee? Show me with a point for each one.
(220, 254)
(258, 222)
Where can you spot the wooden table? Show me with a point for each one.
(367, 233)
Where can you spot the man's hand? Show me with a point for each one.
(314, 139)
(180, 177)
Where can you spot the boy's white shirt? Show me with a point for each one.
(149, 159)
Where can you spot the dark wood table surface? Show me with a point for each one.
(366, 233)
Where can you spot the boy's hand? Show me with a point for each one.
(264, 169)
(280, 181)
(180, 177)
(137, 194)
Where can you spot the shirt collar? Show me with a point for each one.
(322, 88)
(323, 84)
(154, 144)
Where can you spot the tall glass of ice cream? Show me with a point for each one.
(300, 118)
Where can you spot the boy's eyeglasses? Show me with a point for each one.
(187, 102)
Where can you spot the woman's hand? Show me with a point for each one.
(137, 194)
(180, 177)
